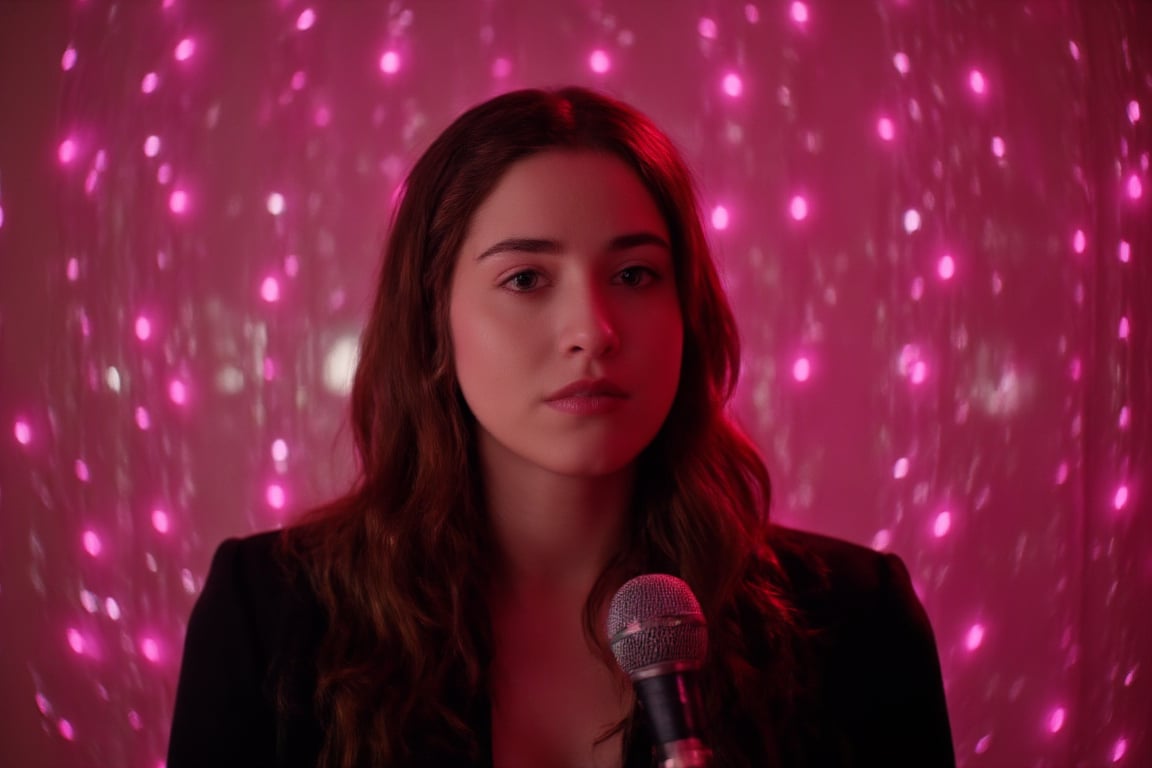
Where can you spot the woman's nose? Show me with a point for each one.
(589, 327)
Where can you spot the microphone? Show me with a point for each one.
(660, 639)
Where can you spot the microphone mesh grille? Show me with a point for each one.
(655, 619)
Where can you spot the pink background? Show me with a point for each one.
(946, 356)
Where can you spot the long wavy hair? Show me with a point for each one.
(401, 563)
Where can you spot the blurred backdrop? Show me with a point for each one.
(932, 218)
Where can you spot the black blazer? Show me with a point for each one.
(880, 698)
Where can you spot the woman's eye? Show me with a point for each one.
(523, 281)
(636, 276)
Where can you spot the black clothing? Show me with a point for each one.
(880, 695)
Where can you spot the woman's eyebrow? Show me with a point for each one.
(538, 245)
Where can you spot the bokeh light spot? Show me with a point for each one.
(22, 432)
(1134, 187)
(178, 201)
(706, 28)
(185, 48)
(911, 220)
(599, 62)
(306, 19)
(270, 290)
(178, 392)
(275, 496)
(946, 267)
(798, 12)
(92, 544)
(886, 129)
(802, 369)
(720, 218)
(66, 152)
(68, 60)
(275, 203)
(900, 468)
(1056, 720)
(1120, 498)
(974, 637)
(150, 649)
(160, 521)
(279, 450)
(732, 84)
(976, 82)
(942, 524)
(798, 208)
(390, 62)
(1079, 241)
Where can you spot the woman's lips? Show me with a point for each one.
(587, 398)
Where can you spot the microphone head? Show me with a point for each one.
(654, 621)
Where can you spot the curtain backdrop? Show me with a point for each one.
(932, 219)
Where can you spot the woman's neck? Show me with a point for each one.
(553, 533)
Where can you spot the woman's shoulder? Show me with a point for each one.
(829, 577)
(254, 579)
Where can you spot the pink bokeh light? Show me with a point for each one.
(946, 267)
(1134, 187)
(942, 524)
(306, 19)
(68, 60)
(279, 450)
(1079, 241)
(1056, 719)
(92, 544)
(275, 496)
(802, 369)
(974, 638)
(977, 83)
(66, 152)
(143, 328)
(732, 84)
(798, 208)
(798, 12)
(599, 61)
(706, 28)
(150, 648)
(270, 290)
(178, 201)
(720, 218)
(22, 431)
(161, 521)
(185, 49)
(178, 392)
(886, 129)
(149, 82)
(1120, 498)
(390, 62)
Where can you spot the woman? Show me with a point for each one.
(539, 414)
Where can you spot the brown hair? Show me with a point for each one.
(400, 564)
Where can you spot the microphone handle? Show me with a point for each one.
(672, 703)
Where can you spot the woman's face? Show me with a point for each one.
(564, 316)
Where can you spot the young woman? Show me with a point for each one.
(539, 415)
